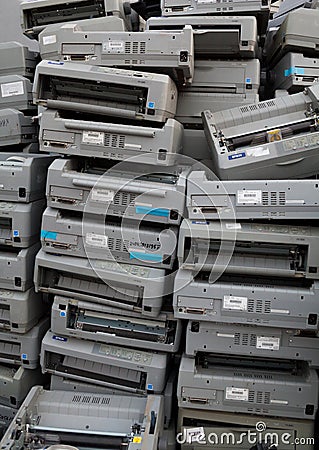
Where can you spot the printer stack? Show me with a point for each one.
(18, 128)
(226, 50)
(115, 200)
(291, 50)
(22, 326)
(248, 279)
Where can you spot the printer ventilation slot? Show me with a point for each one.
(114, 140)
(90, 399)
(124, 198)
(275, 198)
(135, 47)
(259, 306)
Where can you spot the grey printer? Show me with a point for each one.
(23, 177)
(298, 33)
(110, 421)
(275, 139)
(131, 370)
(125, 286)
(37, 14)
(252, 341)
(16, 267)
(159, 51)
(16, 129)
(100, 323)
(17, 59)
(69, 233)
(250, 248)
(20, 223)
(66, 135)
(294, 72)
(15, 383)
(16, 93)
(284, 392)
(218, 85)
(209, 198)
(20, 311)
(105, 91)
(259, 8)
(246, 301)
(214, 36)
(23, 349)
(156, 196)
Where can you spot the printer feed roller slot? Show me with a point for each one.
(61, 365)
(38, 17)
(63, 282)
(286, 257)
(99, 323)
(104, 94)
(307, 126)
(50, 437)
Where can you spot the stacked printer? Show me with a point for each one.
(115, 200)
(249, 257)
(226, 49)
(22, 326)
(18, 128)
(291, 50)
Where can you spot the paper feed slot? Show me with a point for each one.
(107, 128)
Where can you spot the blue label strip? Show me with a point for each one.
(295, 71)
(48, 235)
(146, 256)
(152, 211)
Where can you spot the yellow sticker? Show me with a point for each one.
(137, 440)
(274, 135)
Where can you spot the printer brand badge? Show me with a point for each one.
(236, 156)
(59, 338)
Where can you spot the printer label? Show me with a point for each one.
(236, 303)
(93, 137)
(96, 240)
(239, 394)
(248, 196)
(49, 39)
(268, 343)
(257, 152)
(113, 47)
(236, 156)
(102, 195)
(12, 89)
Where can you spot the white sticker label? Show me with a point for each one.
(11, 89)
(237, 303)
(268, 343)
(113, 47)
(49, 39)
(102, 195)
(233, 226)
(239, 394)
(96, 240)
(195, 435)
(257, 151)
(93, 137)
(249, 197)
